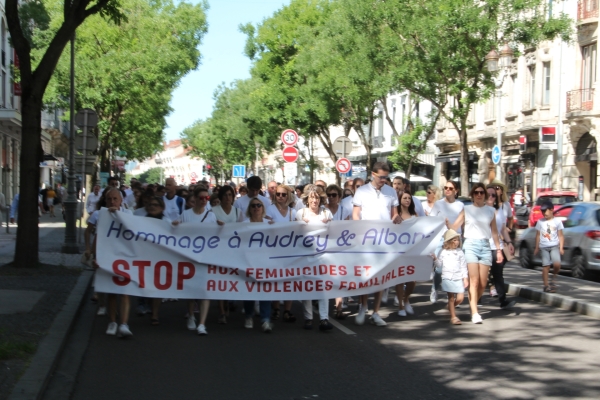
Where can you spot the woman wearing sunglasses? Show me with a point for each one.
(449, 208)
(480, 226)
(199, 214)
(281, 211)
(406, 211)
(315, 212)
(433, 195)
(256, 213)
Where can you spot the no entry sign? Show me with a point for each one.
(290, 154)
(343, 165)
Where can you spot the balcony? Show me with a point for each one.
(587, 9)
(580, 100)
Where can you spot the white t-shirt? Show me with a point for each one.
(418, 207)
(171, 208)
(235, 215)
(426, 207)
(91, 202)
(477, 221)
(375, 204)
(549, 231)
(273, 212)
(324, 214)
(347, 203)
(93, 219)
(342, 213)
(444, 209)
(500, 223)
(243, 202)
(206, 217)
(507, 209)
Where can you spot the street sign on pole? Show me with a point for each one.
(496, 155)
(290, 170)
(343, 165)
(290, 154)
(289, 137)
(239, 171)
(342, 146)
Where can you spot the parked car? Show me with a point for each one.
(555, 197)
(582, 239)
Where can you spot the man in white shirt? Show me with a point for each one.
(375, 201)
(92, 200)
(174, 205)
(271, 189)
(254, 183)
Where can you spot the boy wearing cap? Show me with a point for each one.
(549, 240)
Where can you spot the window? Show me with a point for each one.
(532, 86)
(394, 112)
(490, 108)
(576, 217)
(588, 73)
(546, 97)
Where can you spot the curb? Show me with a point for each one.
(35, 379)
(554, 299)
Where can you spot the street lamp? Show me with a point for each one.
(499, 63)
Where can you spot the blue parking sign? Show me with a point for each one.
(239, 171)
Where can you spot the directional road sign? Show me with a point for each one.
(343, 165)
(496, 154)
(289, 137)
(239, 171)
(290, 154)
(290, 170)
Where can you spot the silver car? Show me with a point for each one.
(582, 239)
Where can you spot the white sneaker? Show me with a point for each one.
(408, 308)
(191, 323)
(396, 302)
(401, 313)
(201, 330)
(248, 324)
(384, 296)
(433, 297)
(267, 327)
(476, 319)
(360, 317)
(112, 329)
(101, 311)
(124, 331)
(376, 319)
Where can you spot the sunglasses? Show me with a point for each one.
(281, 194)
(492, 195)
(332, 195)
(429, 193)
(384, 177)
(498, 187)
(256, 205)
(207, 198)
(448, 188)
(479, 193)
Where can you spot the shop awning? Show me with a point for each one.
(451, 157)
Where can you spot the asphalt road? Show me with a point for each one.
(535, 351)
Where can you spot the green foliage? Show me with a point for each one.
(153, 175)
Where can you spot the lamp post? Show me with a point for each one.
(499, 63)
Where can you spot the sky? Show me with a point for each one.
(223, 59)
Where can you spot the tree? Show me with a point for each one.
(437, 49)
(37, 64)
(153, 175)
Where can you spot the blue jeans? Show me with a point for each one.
(265, 310)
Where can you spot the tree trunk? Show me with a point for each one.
(27, 246)
(464, 161)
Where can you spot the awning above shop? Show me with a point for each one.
(451, 157)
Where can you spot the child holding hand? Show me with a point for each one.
(455, 275)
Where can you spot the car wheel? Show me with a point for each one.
(578, 269)
(525, 257)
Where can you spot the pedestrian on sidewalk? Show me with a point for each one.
(452, 265)
(549, 240)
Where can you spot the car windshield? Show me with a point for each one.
(555, 200)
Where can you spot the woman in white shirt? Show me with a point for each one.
(433, 194)
(480, 226)
(256, 213)
(339, 213)
(198, 215)
(406, 211)
(314, 199)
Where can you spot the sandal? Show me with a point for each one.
(456, 321)
(288, 316)
(340, 315)
(549, 289)
(154, 321)
(308, 325)
(275, 314)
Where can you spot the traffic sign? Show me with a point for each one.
(342, 146)
(496, 155)
(290, 154)
(289, 137)
(290, 170)
(239, 171)
(343, 165)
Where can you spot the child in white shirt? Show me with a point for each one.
(549, 240)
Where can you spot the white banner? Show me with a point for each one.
(258, 261)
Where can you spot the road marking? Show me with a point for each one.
(337, 324)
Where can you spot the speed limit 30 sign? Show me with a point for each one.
(289, 137)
